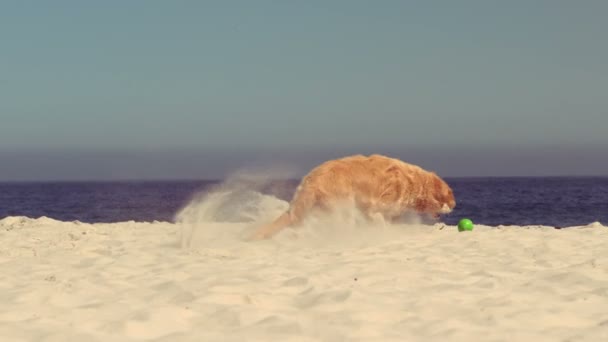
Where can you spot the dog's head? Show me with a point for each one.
(438, 198)
(443, 195)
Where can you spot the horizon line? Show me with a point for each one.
(215, 179)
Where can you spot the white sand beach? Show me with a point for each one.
(328, 281)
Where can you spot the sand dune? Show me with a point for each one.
(329, 281)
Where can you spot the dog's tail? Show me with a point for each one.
(268, 230)
(304, 200)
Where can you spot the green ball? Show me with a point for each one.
(465, 224)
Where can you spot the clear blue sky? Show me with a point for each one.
(195, 89)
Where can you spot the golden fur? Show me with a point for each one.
(381, 187)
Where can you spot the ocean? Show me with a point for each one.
(553, 201)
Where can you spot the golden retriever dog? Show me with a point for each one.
(382, 188)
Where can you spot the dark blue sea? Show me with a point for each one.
(556, 201)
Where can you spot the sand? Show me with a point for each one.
(198, 280)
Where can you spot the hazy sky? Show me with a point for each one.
(194, 89)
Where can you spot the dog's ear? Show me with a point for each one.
(438, 184)
(421, 204)
(426, 205)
